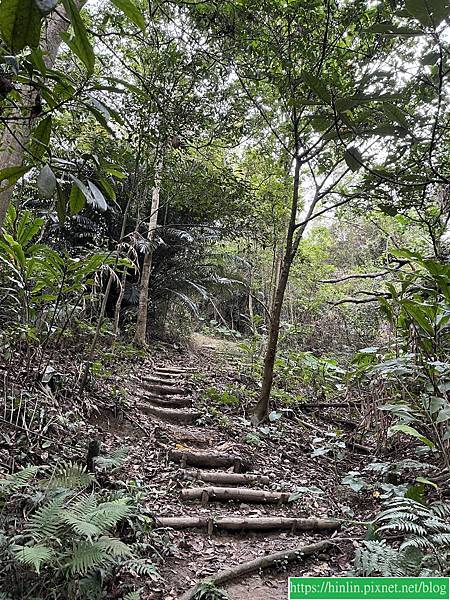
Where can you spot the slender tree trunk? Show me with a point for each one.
(141, 323)
(16, 133)
(261, 409)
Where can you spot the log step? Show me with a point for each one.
(210, 459)
(169, 414)
(205, 494)
(165, 389)
(222, 478)
(161, 380)
(165, 402)
(174, 370)
(248, 523)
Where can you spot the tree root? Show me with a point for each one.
(264, 562)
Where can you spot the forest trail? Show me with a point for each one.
(223, 501)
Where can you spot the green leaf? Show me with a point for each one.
(12, 174)
(77, 200)
(317, 86)
(395, 114)
(419, 315)
(46, 182)
(427, 482)
(20, 24)
(131, 11)
(80, 43)
(430, 13)
(353, 158)
(444, 415)
(408, 430)
(41, 137)
(97, 196)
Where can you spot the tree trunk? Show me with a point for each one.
(141, 323)
(16, 134)
(261, 409)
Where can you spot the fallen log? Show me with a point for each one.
(221, 477)
(211, 460)
(205, 494)
(264, 562)
(248, 523)
(169, 414)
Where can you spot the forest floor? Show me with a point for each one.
(306, 456)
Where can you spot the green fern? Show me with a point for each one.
(34, 556)
(46, 521)
(426, 533)
(114, 460)
(85, 556)
(132, 596)
(208, 591)
(69, 476)
(142, 567)
(16, 481)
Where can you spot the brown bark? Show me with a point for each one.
(248, 523)
(225, 478)
(206, 459)
(16, 133)
(261, 409)
(264, 562)
(240, 494)
(141, 322)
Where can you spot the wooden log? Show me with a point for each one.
(249, 523)
(264, 562)
(211, 460)
(205, 494)
(176, 370)
(167, 402)
(161, 380)
(164, 389)
(225, 478)
(169, 414)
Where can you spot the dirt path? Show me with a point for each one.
(176, 434)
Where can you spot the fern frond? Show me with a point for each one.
(85, 557)
(80, 526)
(114, 546)
(132, 596)
(404, 526)
(108, 514)
(18, 480)
(142, 567)
(33, 556)
(46, 521)
(114, 460)
(69, 477)
(441, 509)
